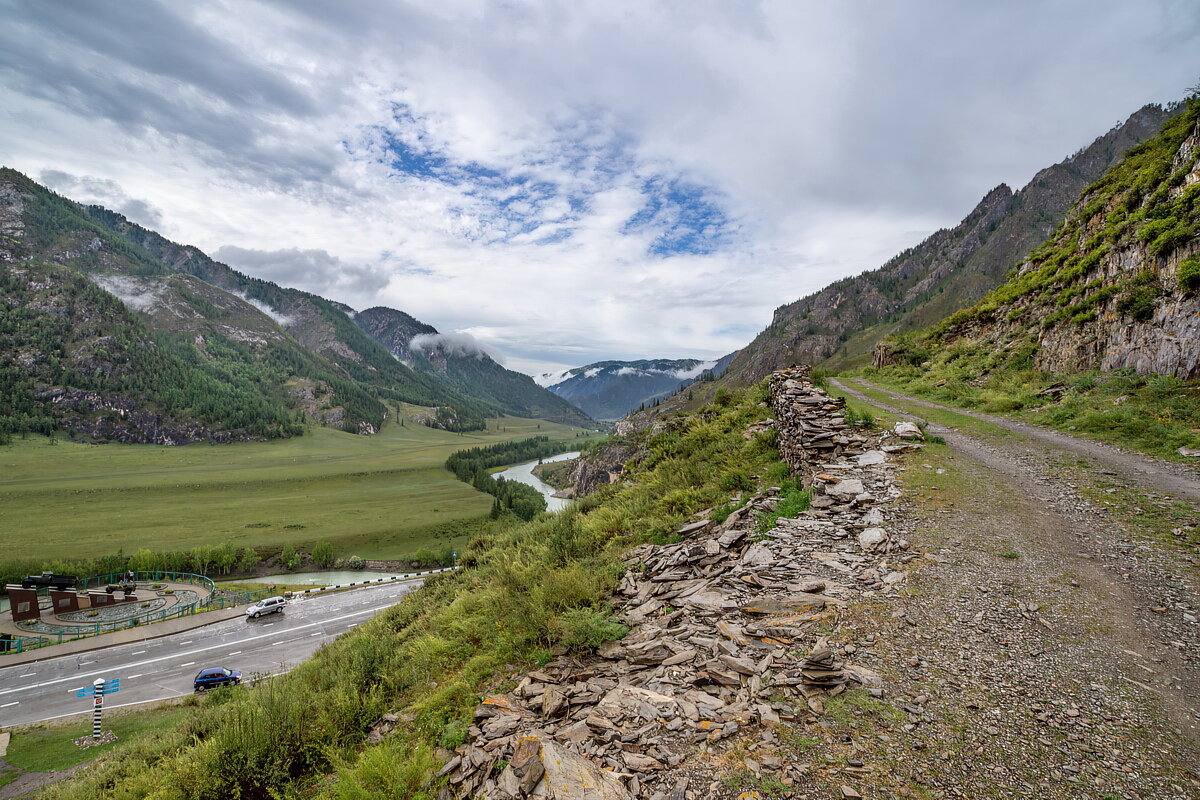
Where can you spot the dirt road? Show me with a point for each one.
(1059, 644)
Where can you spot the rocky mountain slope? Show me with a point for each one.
(609, 390)
(1117, 286)
(462, 364)
(950, 270)
(296, 354)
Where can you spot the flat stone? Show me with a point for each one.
(872, 538)
(569, 776)
(845, 490)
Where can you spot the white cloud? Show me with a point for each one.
(454, 344)
(282, 320)
(818, 141)
(139, 294)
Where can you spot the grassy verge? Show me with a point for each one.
(48, 748)
(1152, 414)
(522, 592)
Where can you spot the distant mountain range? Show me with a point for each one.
(113, 332)
(838, 326)
(609, 390)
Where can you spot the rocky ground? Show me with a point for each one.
(949, 630)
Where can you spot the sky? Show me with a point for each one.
(572, 181)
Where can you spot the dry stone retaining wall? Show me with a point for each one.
(723, 643)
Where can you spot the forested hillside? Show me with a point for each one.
(286, 355)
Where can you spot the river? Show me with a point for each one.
(523, 473)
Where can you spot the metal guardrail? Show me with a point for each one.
(212, 603)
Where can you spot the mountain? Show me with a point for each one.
(838, 326)
(193, 349)
(459, 362)
(1116, 287)
(609, 390)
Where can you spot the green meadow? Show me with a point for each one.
(382, 496)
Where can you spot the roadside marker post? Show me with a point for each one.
(97, 691)
(98, 708)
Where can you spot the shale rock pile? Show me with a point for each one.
(723, 638)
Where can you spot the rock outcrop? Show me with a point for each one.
(1113, 288)
(724, 639)
(839, 325)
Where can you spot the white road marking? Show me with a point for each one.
(189, 641)
(137, 652)
(329, 621)
(13, 703)
(188, 664)
(318, 633)
(131, 677)
(236, 653)
(85, 663)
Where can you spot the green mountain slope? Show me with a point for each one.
(838, 326)
(299, 353)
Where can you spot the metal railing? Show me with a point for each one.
(219, 599)
(150, 576)
(20, 644)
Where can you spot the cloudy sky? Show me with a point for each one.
(568, 181)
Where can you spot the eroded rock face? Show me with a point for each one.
(600, 467)
(1163, 340)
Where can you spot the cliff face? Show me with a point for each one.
(1117, 286)
(838, 326)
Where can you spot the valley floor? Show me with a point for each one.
(1050, 647)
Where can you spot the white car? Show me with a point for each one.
(267, 605)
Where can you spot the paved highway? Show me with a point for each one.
(158, 669)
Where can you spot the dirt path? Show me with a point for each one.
(1151, 472)
(1141, 597)
(30, 782)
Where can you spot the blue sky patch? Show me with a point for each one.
(682, 217)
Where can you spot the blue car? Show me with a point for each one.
(216, 676)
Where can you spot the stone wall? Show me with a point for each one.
(733, 632)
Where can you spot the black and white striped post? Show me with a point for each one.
(97, 707)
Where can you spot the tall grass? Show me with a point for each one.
(524, 589)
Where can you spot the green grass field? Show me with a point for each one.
(376, 497)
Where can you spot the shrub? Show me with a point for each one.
(289, 558)
(1189, 274)
(1139, 302)
(355, 562)
(736, 481)
(584, 628)
(322, 554)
